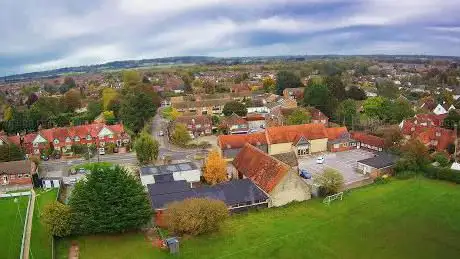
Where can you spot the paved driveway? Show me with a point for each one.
(344, 162)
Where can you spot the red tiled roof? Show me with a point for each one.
(265, 171)
(238, 141)
(429, 119)
(255, 117)
(285, 134)
(368, 139)
(317, 114)
(335, 133)
(426, 134)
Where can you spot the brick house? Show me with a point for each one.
(235, 124)
(339, 139)
(17, 172)
(62, 139)
(197, 125)
(277, 179)
(367, 141)
(436, 138)
(231, 145)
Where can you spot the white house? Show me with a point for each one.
(166, 173)
(439, 110)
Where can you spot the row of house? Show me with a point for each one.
(63, 138)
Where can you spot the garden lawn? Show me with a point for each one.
(40, 241)
(401, 219)
(12, 226)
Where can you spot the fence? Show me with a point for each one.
(16, 194)
(333, 197)
(25, 223)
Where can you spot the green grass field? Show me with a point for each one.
(12, 226)
(40, 241)
(401, 219)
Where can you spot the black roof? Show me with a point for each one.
(381, 160)
(161, 178)
(231, 192)
(168, 169)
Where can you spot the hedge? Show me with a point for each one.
(445, 174)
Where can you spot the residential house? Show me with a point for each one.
(231, 145)
(197, 125)
(17, 172)
(294, 93)
(241, 88)
(277, 179)
(188, 172)
(443, 109)
(235, 124)
(367, 141)
(238, 195)
(257, 106)
(256, 122)
(317, 116)
(62, 139)
(202, 107)
(383, 163)
(436, 138)
(428, 119)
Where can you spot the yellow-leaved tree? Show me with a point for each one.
(215, 168)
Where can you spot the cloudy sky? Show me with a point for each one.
(46, 34)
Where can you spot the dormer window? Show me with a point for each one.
(412, 129)
(56, 141)
(88, 137)
(110, 136)
(77, 139)
(67, 139)
(438, 134)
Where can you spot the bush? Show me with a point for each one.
(331, 181)
(195, 216)
(57, 219)
(79, 149)
(445, 174)
(441, 158)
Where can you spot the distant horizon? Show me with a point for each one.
(225, 57)
(50, 34)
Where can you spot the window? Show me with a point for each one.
(77, 139)
(56, 141)
(110, 136)
(88, 137)
(19, 175)
(438, 134)
(345, 144)
(198, 126)
(336, 145)
(26, 175)
(35, 144)
(353, 144)
(67, 139)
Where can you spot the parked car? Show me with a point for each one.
(101, 151)
(45, 157)
(305, 174)
(161, 133)
(81, 171)
(320, 160)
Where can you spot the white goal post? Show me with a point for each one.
(333, 197)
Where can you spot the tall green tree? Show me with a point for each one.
(374, 107)
(286, 79)
(94, 110)
(336, 87)
(387, 89)
(131, 78)
(71, 100)
(234, 107)
(347, 112)
(318, 96)
(180, 135)
(11, 152)
(136, 110)
(356, 93)
(110, 200)
(69, 83)
(147, 148)
(399, 110)
(298, 116)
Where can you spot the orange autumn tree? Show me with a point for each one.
(215, 168)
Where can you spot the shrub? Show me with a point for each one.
(331, 181)
(195, 216)
(445, 174)
(441, 158)
(57, 219)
